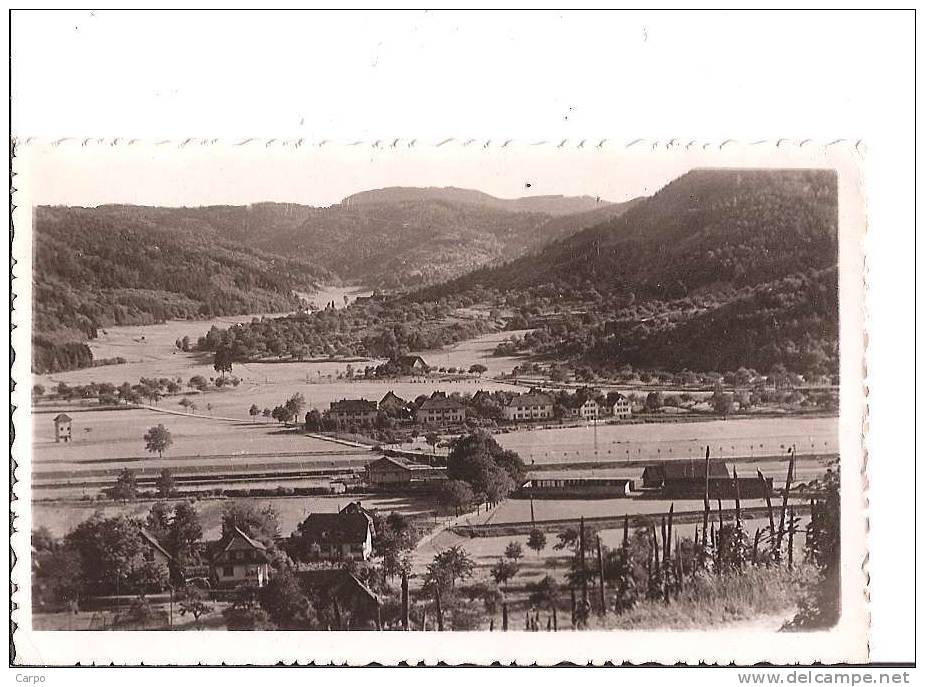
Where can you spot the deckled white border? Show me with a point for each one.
(845, 643)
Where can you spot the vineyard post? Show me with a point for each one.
(600, 567)
(706, 494)
(783, 510)
(790, 531)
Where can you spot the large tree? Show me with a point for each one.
(479, 460)
(262, 524)
(109, 549)
(157, 440)
(166, 484)
(222, 362)
(125, 488)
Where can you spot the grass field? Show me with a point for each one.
(726, 438)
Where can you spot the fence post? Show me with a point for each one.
(783, 509)
(706, 495)
(405, 613)
(600, 568)
(439, 613)
(790, 532)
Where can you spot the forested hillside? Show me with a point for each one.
(122, 264)
(719, 269)
(99, 267)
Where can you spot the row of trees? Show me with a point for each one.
(146, 389)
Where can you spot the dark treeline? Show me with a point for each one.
(371, 327)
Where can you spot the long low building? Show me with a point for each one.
(578, 487)
(396, 473)
(720, 488)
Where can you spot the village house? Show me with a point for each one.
(396, 473)
(577, 487)
(62, 428)
(347, 534)
(240, 560)
(404, 365)
(439, 410)
(480, 396)
(358, 412)
(621, 408)
(531, 406)
(395, 406)
(344, 600)
(153, 552)
(589, 410)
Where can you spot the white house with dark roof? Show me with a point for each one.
(531, 406)
(241, 560)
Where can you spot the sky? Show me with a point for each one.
(145, 174)
(95, 173)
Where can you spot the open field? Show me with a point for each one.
(119, 434)
(726, 438)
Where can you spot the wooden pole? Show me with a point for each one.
(504, 616)
(626, 530)
(600, 568)
(664, 531)
(706, 494)
(767, 500)
(755, 547)
(572, 589)
(783, 509)
(439, 612)
(790, 532)
(581, 558)
(735, 481)
(405, 611)
(555, 618)
(670, 527)
(424, 620)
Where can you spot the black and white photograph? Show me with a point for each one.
(525, 401)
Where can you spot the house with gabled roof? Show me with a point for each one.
(531, 406)
(62, 428)
(353, 412)
(439, 410)
(153, 552)
(241, 560)
(347, 534)
(341, 598)
(395, 406)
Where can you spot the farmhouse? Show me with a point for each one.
(353, 411)
(407, 365)
(395, 406)
(578, 487)
(531, 406)
(153, 552)
(441, 411)
(62, 428)
(621, 408)
(662, 473)
(393, 472)
(240, 560)
(349, 603)
(338, 536)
